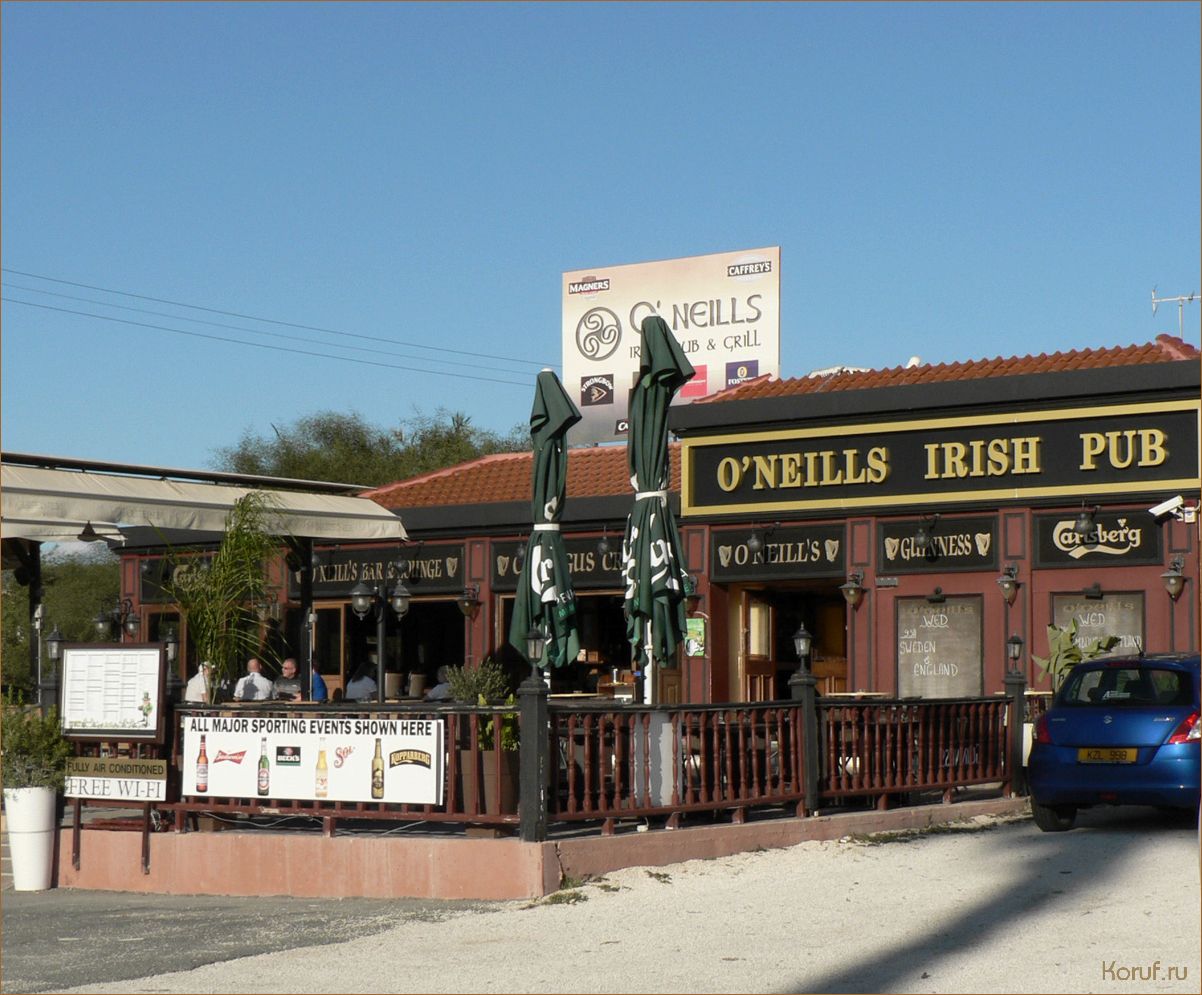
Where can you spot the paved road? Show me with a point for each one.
(999, 908)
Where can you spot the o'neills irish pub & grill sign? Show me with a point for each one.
(1018, 456)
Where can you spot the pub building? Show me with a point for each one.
(915, 520)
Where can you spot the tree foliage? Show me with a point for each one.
(331, 445)
(220, 597)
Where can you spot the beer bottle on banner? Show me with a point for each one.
(321, 786)
(202, 767)
(264, 768)
(377, 773)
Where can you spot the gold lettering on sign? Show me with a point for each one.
(1146, 447)
(982, 458)
(823, 468)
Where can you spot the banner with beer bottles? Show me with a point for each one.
(314, 758)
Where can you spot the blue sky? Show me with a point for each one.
(952, 181)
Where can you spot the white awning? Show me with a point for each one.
(55, 505)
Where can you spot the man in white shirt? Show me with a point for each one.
(197, 688)
(254, 686)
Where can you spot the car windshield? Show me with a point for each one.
(1120, 686)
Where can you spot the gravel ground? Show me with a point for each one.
(991, 906)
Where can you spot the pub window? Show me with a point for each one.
(939, 647)
(1113, 614)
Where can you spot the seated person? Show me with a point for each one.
(288, 685)
(197, 688)
(442, 690)
(254, 686)
(318, 686)
(361, 687)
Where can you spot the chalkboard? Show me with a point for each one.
(939, 648)
(1119, 615)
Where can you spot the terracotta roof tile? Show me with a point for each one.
(1165, 349)
(593, 471)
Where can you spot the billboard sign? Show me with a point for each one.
(723, 308)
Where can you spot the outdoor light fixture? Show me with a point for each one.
(469, 601)
(54, 645)
(936, 597)
(535, 643)
(802, 640)
(1093, 592)
(1014, 650)
(120, 617)
(1174, 581)
(922, 538)
(603, 545)
(171, 645)
(1008, 582)
(362, 600)
(853, 590)
(1084, 524)
(759, 535)
(692, 595)
(365, 600)
(399, 599)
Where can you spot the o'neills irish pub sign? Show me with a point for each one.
(424, 569)
(1019, 456)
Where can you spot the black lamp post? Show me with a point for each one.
(120, 617)
(174, 684)
(365, 600)
(48, 690)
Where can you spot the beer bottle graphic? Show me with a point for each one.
(264, 768)
(377, 773)
(202, 767)
(321, 786)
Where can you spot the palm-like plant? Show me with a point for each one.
(219, 597)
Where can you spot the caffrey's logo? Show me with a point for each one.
(749, 268)
(621, 426)
(589, 285)
(597, 389)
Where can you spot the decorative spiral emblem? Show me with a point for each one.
(598, 334)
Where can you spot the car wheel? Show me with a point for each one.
(1053, 819)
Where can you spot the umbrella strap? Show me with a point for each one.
(662, 495)
(547, 527)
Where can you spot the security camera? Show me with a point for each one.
(1168, 507)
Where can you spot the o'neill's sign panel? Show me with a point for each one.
(805, 551)
(314, 758)
(723, 308)
(1113, 540)
(590, 566)
(1019, 456)
(433, 569)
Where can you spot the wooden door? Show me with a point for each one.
(759, 665)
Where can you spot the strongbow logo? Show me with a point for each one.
(598, 334)
(597, 390)
(589, 285)
(231, 757)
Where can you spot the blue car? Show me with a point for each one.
(1120, 731)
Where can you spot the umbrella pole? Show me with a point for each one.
(649, 669)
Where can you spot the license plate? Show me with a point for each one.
(1106, 755)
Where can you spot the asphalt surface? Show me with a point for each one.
(991, 906)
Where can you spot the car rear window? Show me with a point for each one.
(1119, 686)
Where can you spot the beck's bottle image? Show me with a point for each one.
(202, 767)
(264, 768)
(377, 773)
(321, 783)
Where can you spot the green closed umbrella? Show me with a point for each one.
(651, 562)
(545, 599)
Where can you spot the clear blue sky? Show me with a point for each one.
(953, 181)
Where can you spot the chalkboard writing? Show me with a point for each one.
(939, 648)
(1119, 615)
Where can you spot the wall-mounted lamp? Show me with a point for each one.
(1008, 582)
(1084, 524)
(603, 544)
(759, 536)
(469, 601)
(692, 595)
(1014, 650)
(120, 617)
(853, 590)
(1174, 580)
(1093, 592)
(922, 538)
(936, 597)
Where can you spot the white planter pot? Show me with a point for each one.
(29, 820)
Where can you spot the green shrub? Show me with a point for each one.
(483, 685)
(32, 747)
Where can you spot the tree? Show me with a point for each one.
(334, 446)
(1066, 649)
(219, 596)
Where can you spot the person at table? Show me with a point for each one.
(197, 688)
(442, 690)
(288, 686)
(362, 687)
(253, 686)
(318, 690)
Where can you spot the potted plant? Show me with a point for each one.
(1066, 649)
(483, 686)
(34, 767)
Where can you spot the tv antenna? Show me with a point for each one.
(1181, 302)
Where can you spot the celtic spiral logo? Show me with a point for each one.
(598, 334)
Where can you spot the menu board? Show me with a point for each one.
(1119, 615)
(939, 647)
(113, 691)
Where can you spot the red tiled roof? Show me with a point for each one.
(594, 471)
(600, 471)
(1166, 349)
